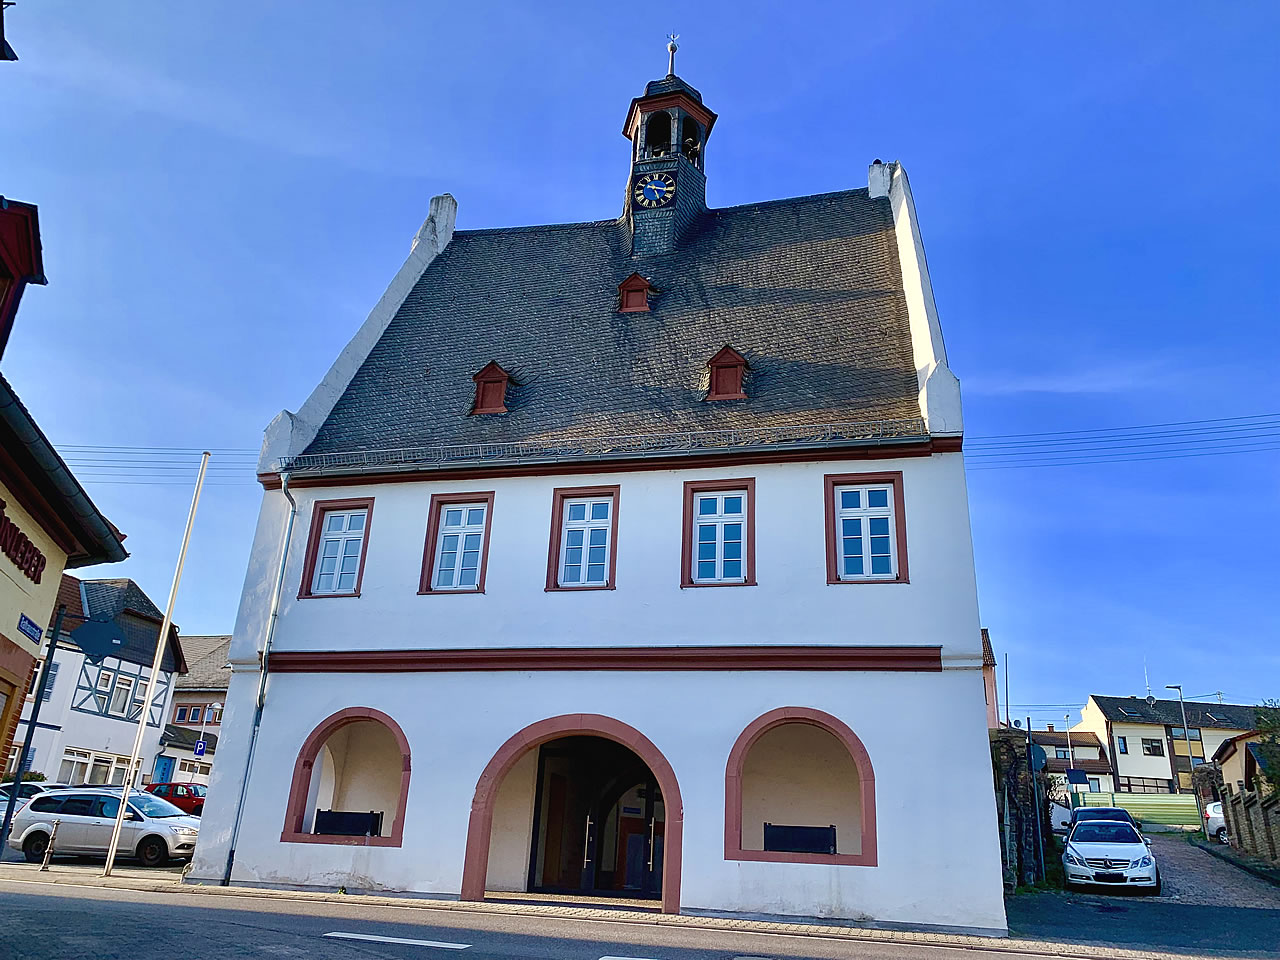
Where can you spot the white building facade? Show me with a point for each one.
(686, 611)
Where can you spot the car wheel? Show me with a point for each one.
(198, 811)
(34, 846)
(1221, 835)
(153, 852)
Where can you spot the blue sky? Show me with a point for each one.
(224, 193)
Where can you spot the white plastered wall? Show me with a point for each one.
(510, 841)
(938, 862)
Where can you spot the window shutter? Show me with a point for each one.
(48, 687)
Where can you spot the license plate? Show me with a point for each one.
(1109, 877)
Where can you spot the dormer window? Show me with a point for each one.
(727, 368)
(633, 294)
(491, 389)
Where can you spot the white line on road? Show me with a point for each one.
(416, 943)
(624, 958)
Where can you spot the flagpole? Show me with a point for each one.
(162, 644)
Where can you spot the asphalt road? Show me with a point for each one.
(89, 923)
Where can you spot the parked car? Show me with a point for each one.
(188, 796)
(1215, 824)
(1102, 813)
(26, 790)
(154, 829)
(1110, 853)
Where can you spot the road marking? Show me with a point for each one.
(338, 935)
(624, 958)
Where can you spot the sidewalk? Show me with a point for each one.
(169, 881)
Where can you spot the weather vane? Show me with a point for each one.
(672, 47)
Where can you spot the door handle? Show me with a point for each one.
(586, 844)
(653, 824)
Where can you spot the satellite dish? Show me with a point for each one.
(1018, 724)
(1151, 701)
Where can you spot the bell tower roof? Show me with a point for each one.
(670, 91)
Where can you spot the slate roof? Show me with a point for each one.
(671, 84)
(184, 738)
(123, 602)
(1229, 716)
(1054, 765)
(208, 666)
(808, 289)
(1058, 738)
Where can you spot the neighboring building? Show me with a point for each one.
(47, 521)
(1150, 751)
(635, 614)
(1081, 751)
(95, 693)
(195, 713)
(1241, 762)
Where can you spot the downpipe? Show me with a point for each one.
(262, 675)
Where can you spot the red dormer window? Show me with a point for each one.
(491, 389)
(727, 368)
(633, 294)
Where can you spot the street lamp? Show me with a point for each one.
(1186, 737)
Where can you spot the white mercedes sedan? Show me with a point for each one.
(1110, 853)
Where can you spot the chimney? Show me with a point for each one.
(879, 179)
(1049, 727)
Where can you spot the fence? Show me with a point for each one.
(1171, 809)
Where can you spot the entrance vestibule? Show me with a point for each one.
(598, 823)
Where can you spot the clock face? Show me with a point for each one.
(653, 190)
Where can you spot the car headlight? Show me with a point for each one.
(186, 831)
(1073, 859)
(1144, 862)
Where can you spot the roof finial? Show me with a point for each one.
(672, 47)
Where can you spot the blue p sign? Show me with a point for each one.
(200, 747)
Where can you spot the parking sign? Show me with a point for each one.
(200, 745)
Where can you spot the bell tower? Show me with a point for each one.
(668, 128)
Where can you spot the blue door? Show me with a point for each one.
(164, 769)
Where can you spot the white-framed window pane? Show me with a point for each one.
(584, 542)
(719, 533)
(120, 695)
(339, 551)
(459, 545)
(866, 547)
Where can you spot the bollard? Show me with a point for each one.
(48, 851)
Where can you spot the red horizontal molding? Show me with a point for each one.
(915, 659)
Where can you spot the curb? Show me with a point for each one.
(1270, 874)
(1044, 948)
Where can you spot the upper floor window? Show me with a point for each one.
(197, 715)
(633, 294)
(1122, 745)
(866, 529)
(1180, 734)
(584, 529)
(719, 539)
(180, 716)
(457, 546)
(120, 695)
(1062, 753)
(1152, 748)
(336, 547)
(103, 689)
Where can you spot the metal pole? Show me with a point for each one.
(11, 806)
(1006, 691)
(162, 643)
(1186, 734)
(1035, 799)
(1071, 758)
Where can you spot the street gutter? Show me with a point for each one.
(1085, 950)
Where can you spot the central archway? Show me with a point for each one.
(475, 867)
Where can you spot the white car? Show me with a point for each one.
(1109, 853)
(1215, 824)
(154, 830)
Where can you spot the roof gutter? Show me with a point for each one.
(104, 543)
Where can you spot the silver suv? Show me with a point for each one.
(154, 829)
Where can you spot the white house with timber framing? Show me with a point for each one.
(626, 559)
